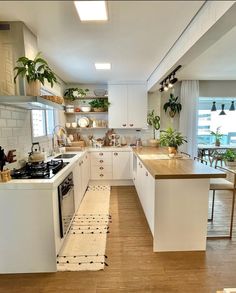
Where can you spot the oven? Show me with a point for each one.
(66, 204)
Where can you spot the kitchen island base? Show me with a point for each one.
(181, 213)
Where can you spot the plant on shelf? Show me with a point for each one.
(153, 121)
(74, 93)
(35, 71)
(173, 105)
(99, 105)
(217, 136)
(172, 138)
(230, 157)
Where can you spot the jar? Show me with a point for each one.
(70, 108)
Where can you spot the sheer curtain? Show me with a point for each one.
(188, 116)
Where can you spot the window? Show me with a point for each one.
(209, 120)
(42, 122)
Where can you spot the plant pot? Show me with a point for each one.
(172, 114)
(153, 143)
(33, 88)
(230, 163)
(172, 150)
(217, 143)
(98, 109)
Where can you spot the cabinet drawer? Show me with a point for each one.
(97, 174)
(98, 158)
(101, 168)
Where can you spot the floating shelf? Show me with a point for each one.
(74, 128)
(93, 97)
(84, 113)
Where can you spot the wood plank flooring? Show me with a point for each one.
(133, 267)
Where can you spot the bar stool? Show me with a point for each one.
(224, 184)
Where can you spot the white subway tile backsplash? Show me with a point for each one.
(11, 123)
(6, 132)
(4, 114)
(3, 122)
(15, 115)
(12, 142)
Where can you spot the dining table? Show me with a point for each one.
(213, 153)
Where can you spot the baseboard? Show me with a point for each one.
(112, 182)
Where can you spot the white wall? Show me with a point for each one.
(217, 88)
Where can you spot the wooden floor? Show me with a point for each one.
(133, 267)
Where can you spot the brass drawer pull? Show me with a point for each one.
(101, 168)
(101, 161)
(131, 125)
(115, 154)
(101, 175)
(123, 125)
(146, 173)
(100, 154)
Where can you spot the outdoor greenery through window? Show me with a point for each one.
(210, 120)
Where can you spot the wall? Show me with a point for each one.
(217, 88)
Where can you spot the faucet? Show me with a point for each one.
(59, 137)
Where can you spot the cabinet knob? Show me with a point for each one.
(101, 168)
(101, 175)
(100, 154)
(123, 125)
(101, 161)
(141, 166)
(82, 162)
(146, 173)
(115, 154)
(131, 125)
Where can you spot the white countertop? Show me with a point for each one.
(44, 184)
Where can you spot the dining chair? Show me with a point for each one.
(228, 184)
(186, 154)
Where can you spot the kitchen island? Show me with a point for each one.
(174, 196)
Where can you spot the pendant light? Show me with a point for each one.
(232, 108)
(222, 112)
(213, 108)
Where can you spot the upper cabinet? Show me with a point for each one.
(128, 107)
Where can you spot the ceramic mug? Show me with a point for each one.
(67, 124)
(74, 124)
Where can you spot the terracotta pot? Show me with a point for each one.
(172, 114)
(172, 150)
(217, 142)
(33, 88)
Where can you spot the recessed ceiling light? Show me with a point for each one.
(91, 10)
(103, 66)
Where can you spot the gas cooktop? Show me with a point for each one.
(38, 170)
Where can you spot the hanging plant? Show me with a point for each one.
(173, 105)
(75, 93)
(154, 121)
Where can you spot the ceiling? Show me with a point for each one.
(135, 39)
(218, 62)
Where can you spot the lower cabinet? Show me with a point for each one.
(121, 165)
(145, 186)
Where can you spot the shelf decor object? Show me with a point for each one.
(73, 94)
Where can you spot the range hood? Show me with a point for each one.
(17, 40)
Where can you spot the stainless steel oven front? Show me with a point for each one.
(66, 204)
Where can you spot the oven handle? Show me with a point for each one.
(65, 192)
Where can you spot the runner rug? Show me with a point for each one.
(85, 244)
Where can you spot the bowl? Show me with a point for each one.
(100, 92)
(85, 108)
(74, 124)
(67, 124)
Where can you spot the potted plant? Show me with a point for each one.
(35, 72)
(230, 158)
(153, 121)
(99, 105)
(217, 136)
(172, 138)
(173, 105)
(74, 93)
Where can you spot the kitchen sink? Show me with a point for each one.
(65, 156)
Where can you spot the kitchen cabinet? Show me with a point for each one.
(85, 172)
(145, 186)
(128, 107)
(77, 177)
(101, 165)
(121, 165)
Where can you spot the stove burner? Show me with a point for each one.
(39, 170)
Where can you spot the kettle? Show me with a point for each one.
(36, 156)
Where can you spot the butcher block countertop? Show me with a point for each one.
(161, 166)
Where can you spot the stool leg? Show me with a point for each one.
(232, 215)
(212, 207)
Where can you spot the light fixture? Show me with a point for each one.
(103, 66)
(213, 108)
(166, 87)
(161, 89)
(91, 10)
(222, 112)
(232, 107)
(171, 80)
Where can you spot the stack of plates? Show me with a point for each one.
(83, 122)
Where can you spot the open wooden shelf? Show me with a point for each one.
(84, 113)
(74, 128)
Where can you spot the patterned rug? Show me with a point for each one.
(85, 244)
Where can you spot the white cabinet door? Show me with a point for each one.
(121, 165)
(128, 107)
(117, 112)
(137, 106)
(85, 170)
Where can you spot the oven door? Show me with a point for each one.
(66, 204)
